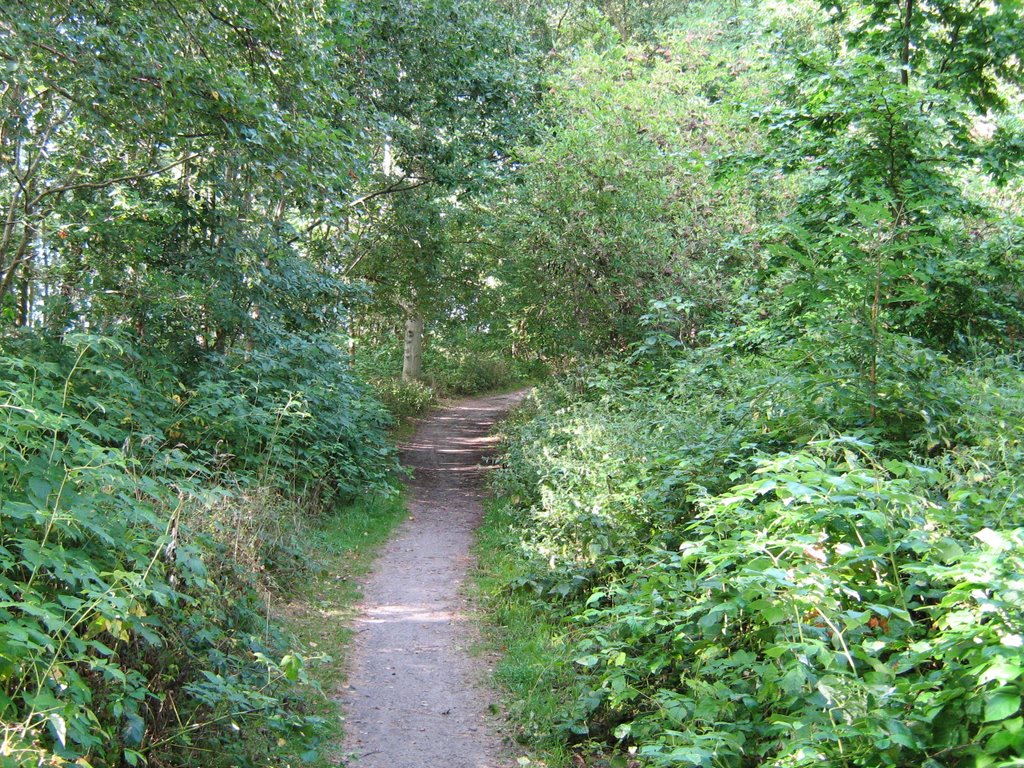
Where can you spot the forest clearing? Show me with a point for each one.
(477, 383)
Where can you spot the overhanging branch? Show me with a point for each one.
(109, 182)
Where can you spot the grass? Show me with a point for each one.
(535, 671)
(318, 610)
(405, 428)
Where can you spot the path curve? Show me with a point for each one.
(414, 697)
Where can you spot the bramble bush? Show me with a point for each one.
(473, 372)
(754, 577)
(131, 624)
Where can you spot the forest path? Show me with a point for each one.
(414, 697)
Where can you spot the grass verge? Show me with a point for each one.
(535, 670)
(317, 612)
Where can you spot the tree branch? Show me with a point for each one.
(109, 182)
(393, 188)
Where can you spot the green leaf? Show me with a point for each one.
(58, 727)
(1000, 706)
(992, 539)
(291, 665)
(1002, 669)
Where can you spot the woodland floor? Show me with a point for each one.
(416, 697)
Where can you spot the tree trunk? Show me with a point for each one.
(25, 299)
(351, 327)
(220, 340)
(908, 17)
(412, 360)
(19, 261)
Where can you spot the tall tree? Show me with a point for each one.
(614, 207)
(155, 160)
(455, 84)
(893, 127)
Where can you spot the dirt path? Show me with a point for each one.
(414, 698)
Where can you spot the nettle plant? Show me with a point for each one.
(829, 608)
(743, 595)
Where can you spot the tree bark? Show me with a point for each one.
(21, 257)
(412, 359)
(25, 299)
(350, 326)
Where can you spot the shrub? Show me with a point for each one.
(404, 399)
(471, 374)
(125, 633)
(757, 577)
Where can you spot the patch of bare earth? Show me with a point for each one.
(415, 696)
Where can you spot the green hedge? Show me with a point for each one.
(126, 634)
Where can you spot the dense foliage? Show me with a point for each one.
(611, 207)
(780, 522)
(131, 504)
(187, 191)
(752, 579)
(784, 525)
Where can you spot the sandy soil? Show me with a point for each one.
(415, 697)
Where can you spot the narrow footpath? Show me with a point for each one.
(415, 697)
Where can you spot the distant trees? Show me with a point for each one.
(619, 204)
(455, 85)
(865, 144)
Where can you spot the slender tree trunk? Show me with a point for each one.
(220, 340)
(351, 340)
(18, 261)
(412, 360)
(908, 15)
(13, 170)
(876, 311)
(25, 299)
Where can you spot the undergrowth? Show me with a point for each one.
(534, 647)
(455, 365)
(756, 570)
(145, 518)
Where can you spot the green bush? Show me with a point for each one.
(758, 577)
(456, 362)
(294, 416)
(404, 399)
(127, 634)
(472, 373)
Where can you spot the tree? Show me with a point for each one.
(887, 226)
(621, 202)
(455, 85)
(156, 160)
